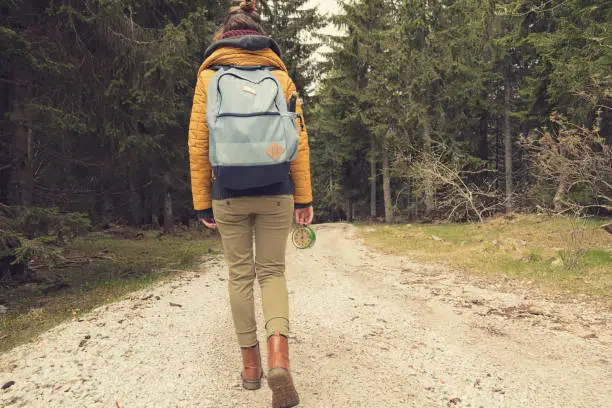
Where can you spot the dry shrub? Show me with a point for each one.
(575, 162)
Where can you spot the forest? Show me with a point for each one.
(457, 110)
(437, 110)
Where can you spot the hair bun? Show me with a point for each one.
(248, 6)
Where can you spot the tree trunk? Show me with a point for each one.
(508, 142)
(135, 199)
(6, 137)
(373, 177)
(28, 172)
(23, 177)
(154, 204)
(168, 216)
(155, 207)
(560, 196)
(483, 137)
(386, 173)
(349, 210)
(429, 190)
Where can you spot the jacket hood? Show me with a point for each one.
(244, 50)
(245, 42)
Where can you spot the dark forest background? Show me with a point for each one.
(419, 110)
(96, 98)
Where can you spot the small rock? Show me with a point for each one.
(557, 263)
(8, 385)
(454, 401)
(88, 337)
(435, 238)
(175, 304)
(3, 309)
(534, 310)
(157, 298)
(147, 297)
(82, 343)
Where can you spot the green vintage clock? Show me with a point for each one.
(303, 237)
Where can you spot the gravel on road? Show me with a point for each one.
(368, 330)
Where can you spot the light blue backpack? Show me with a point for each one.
(253, 134)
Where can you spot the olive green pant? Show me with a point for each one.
(267, 221)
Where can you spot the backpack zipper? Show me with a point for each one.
(248, 115)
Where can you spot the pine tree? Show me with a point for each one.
(292, 25)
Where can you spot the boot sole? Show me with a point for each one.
(284, 394)
(251, 385)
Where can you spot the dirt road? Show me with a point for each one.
(369, 330)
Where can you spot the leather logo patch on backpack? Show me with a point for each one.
(275, 151)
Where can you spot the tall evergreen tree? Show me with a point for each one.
(293, 26)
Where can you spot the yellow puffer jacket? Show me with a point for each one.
(201, 169)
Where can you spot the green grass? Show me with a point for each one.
(557, 255)
(108, 269)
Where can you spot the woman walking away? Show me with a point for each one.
(250, 174)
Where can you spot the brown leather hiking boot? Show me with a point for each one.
(251, 371)
(284, 394)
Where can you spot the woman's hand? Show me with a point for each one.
(210, 223)
(304, 216)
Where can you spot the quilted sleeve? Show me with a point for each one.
(300, 167)
(201, 170)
